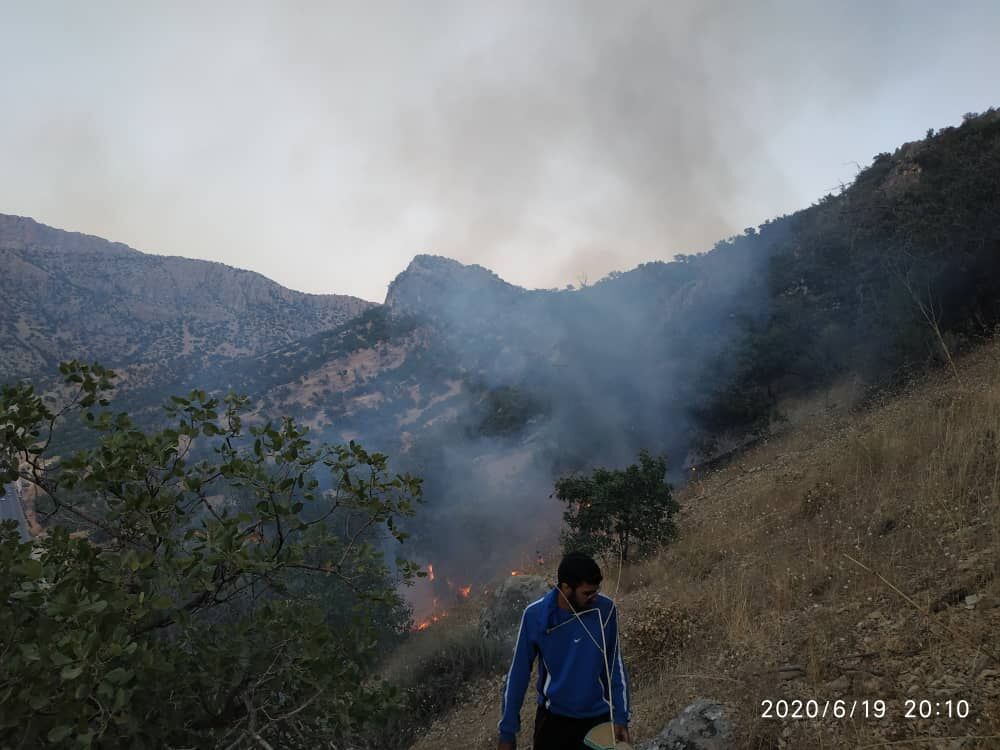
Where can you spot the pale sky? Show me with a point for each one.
(325, 144)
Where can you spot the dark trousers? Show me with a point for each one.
(554, 732)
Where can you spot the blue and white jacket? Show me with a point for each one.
(572, 679)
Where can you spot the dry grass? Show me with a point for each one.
(853, 556)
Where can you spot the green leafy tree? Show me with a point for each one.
(204, 585)
(619, 512)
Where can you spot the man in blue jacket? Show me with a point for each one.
(573, 630)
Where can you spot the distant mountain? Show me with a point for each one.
(69, 295)
(456, 344)
(489, 391)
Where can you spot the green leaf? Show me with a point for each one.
(59, 733)
(31, 569)
(38, 702)
(119, 676)
(70, 673)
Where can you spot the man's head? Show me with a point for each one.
(579, 580)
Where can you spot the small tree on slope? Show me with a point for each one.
(619, 512)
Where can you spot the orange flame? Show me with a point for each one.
(424, 624)
(464, 591)
(430, 572)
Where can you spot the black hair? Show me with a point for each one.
(577, 568)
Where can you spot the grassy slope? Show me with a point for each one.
(760, 578)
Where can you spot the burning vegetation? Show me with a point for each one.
(432, 605)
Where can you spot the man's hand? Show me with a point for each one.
(621, 733)
(506, 745)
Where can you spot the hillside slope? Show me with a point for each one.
(871, 281)
(852, 556)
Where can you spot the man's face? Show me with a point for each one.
(583, 596)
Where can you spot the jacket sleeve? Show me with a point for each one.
(516, 683)
(620, 692)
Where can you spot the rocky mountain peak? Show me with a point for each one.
(22, 233)
(433, 285)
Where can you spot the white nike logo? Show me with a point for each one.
(577, 640)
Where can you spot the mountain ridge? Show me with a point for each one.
(123, 306)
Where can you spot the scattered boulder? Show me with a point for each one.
(502, 616)
(701, 726)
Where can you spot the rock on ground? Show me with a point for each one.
(701, 726)
(502, 616)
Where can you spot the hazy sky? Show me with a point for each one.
(325, 144)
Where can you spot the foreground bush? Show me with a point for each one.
(178, 602)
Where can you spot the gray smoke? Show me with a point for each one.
(603, 372)
(325, 144)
